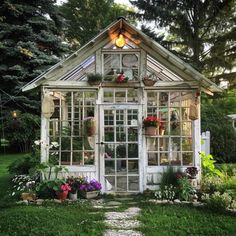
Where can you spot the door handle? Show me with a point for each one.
(102, 143)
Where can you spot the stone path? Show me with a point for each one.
(121, 223)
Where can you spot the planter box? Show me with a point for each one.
(90, 195)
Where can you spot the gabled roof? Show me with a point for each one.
(166, 61)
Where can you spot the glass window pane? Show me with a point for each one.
(175, 144)
(121, 183)
(108, 96)
(152, 144)
(110, 183)
(174, 99)
(175, 158)
(132, 150)
(109, 151)
(152, 159)
(109, 167)
(187, 144)
(65, 143)
(132, 95)
(111, 64)
(65, 158)
(120, 96)
(164, 159)
(121, 168)
(132, 134)
(120, 117)
(88, 158)
(120, 134)
(164, 144)
(77, 158)
(186, 129)
(133, 183)
(163, 99)
(187, 158)
(152, 98)
(109, 134)
(121, 151)
(133, 167)
(108, 117)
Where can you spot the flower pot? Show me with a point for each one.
(149, 82)
(161, 131)
(73, 196)
(28, 196)
(90, 195)
(62, 195)
(151, 131)
(90, 131)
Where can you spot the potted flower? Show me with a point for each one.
(63, 192)
(191, 172)
(74, 183)
(150, 124)
(121, 78)
(90, 189)
(94, 79)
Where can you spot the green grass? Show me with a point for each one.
(56, 220)
(5, 161)
(184, 220)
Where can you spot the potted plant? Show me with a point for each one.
(121, 78)
(191, 172)
(63, 191)
(150, 124)
(74, 183)
(94, 79)
(90, 126)
(90, 189)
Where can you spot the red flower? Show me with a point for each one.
(151, 121)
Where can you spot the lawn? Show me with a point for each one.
(82, 219)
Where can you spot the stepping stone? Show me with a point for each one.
(133, 210)
(105, 207)
(122, 233)
(123, 224)
(113, 203)
(117, 215)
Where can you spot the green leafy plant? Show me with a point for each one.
(166, 193)
(185, 189)
(92, 78)
(208, 165)
(218, 201)
(211, 184)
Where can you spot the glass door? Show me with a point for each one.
(120, 153)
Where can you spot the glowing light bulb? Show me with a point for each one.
(120, 41)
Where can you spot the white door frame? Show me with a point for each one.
(101, 148)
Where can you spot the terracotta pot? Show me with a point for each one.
(161, 131)
(62, 195)
(91, 130)
(151, 131)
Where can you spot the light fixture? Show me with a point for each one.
(14, 115)
(120, 41)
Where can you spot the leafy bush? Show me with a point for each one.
(218, 201)
(211, 184)
(21, 132)
(185, 189)
(169, 177)
(209, 166)
(167, 193)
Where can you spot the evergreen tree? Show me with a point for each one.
(30, 42)
(201, 32)
(85, 18)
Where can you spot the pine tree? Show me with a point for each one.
(30, 42)
(85, 18)
(201, 32)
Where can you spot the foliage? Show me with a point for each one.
(92, 185)
(218, 201)
(31, 41)
(202, 33)
(185, 189)
(170, 177)
(86, 18)
(23, 183)
(75, 182)
(94, 77)
(214, 119)
(191, 171)
(208, 165)
(22, 131)
(210, 184)
(151, 121)
(168, 193)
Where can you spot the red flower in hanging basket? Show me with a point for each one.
(121, 78)
(151, 121)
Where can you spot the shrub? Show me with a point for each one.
(185, 189)
(211, 184)
(167, 193)
(218, 201)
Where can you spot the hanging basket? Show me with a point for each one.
(151, 131)
(94, 82)
(149, 82)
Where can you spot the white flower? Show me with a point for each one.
(13, 193)
(37, 142)
(55, 144)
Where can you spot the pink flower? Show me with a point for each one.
(65, 187)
